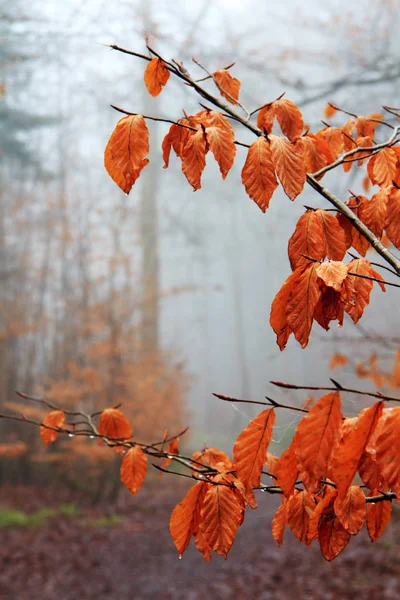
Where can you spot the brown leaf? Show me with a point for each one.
(126, 151)
(306, 240)
(279, 523)
(333, 137)
(56, 419)
(315, 151)
(300, 507)
(228, 86)
(289, 165)
(278, 318)
(333, 273)
(134, 469)
(378, 517)
(265, 117)
(382, 167)
(374, 211)
(287, 470)
(156, 76)
(258, 174)
(360, 287)
(392, 224)
(175, 138)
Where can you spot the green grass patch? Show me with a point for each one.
(10, 517)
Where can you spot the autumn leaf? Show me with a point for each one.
(193, 156)
(258, 174)
(134, 469)
(315, 151)
(387, 449)
(378, 517)
(338, 360)
(351, 509)
(212, 457)
(289, 118)
(202, 545)
(333, 237)
(221, 515)
(316, 434)
(228, 86)
(287, 470)
(278, 317)
(301, 304)
(265, 117)
(175, 138)
(156, 76)
(279, 523)
(352, 235)
(360, 286)
(250, 448)
(382, 167)
(113, 424)
(332, 537)
(289, 165)
(185, 517)
(300, 507)
(223, 147)
(329, 111)
(126, 151)
(348, 452)
(173, 448)
(55, 419)
(374, 211)
(333, 137)
(333, 273)
(323, 509)
(392, 224)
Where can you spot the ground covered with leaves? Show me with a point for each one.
(55, 544)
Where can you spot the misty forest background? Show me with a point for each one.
(160, 298)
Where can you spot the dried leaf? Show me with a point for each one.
(279, 523)
(126, 151)
(289, 118)
(278, 318)
(156, 76)
(287, 470)
(113, 424)
(265, 117)
(378, 517)
(387, 448)
(382, 167)
(185, 517)
(289, 165)
(258, 174)
(228, 86)
(351, 509)
(333, 273)
(302, 302)
(222, 145)
(332, 537)
(300, 507)
(392, 224)
(134, 469)
(56, 419)
(193, 156)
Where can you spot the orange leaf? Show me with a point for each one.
(279, 523)
(392, 225)
(300, 507)
(329, 111)
(333, 237)
(278, 318)
(332, 537)
(113, 424)
(315, 436)
(214, 118)
(378, 517)
(348, 452)
(185, 517)
(212, 457)
(222, 145)
(361, 287)
(228, 86)
(250, 449)
(173, 448)
(156, 76)
(353, 236)
(134, 469)
(175, 138)
(351, 509)
(333, 137)
(202, 545)
(289, 165)
(265, 117)
(323, 510)
(382, 167)
(338, 360)
(258, 175)
(193, 156)
(302, 302)
(221, 515)
(315, 151)
(387, 448)
(54, 419)
(289, 118)
(333, 273)
(287, 470)
(306, 240)
(126, 151)
(374, 211)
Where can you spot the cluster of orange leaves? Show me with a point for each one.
(371, 369)
(316, 476)
(316, 290)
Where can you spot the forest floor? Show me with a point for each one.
(58, 548)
